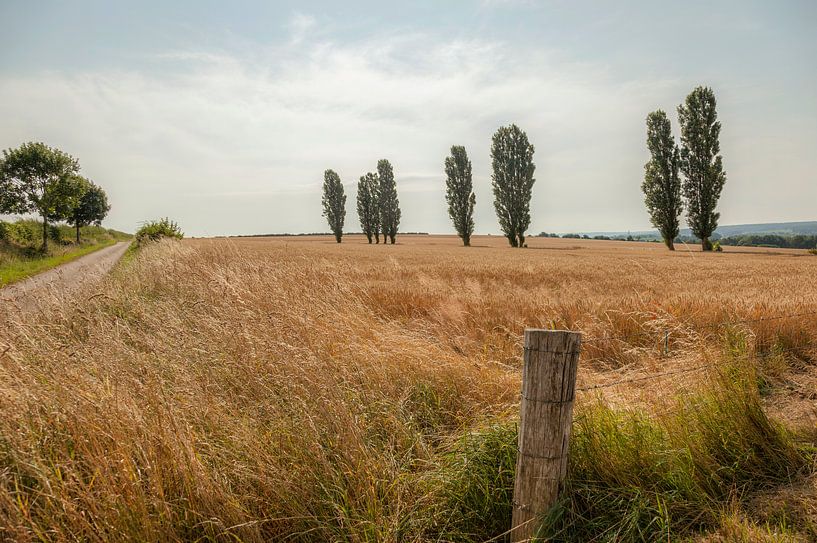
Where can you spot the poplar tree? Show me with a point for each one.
(512, 159)
(701, 163)
(334, 202)
(662, 184)
(389, 204)
(459, 193)
(368, 206)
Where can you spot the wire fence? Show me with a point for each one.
(601, 339)
(665, 341)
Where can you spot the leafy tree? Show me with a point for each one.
(512, 158)
(368, 206)
(334, 202)
(459, 193)
(662, 184)
(39, 178)
(92, 205)
(10, 200)
(389, 204)
(701, 163)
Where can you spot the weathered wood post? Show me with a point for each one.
(548, 388)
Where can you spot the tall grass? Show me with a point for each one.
(261, 391)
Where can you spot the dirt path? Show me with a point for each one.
(34, 291)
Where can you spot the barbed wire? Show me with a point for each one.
(665, 339)
(592, 340)
(643, 378)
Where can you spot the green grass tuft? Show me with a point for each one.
(634, 476)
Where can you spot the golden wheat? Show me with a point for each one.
(265, 389)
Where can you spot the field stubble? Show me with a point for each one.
(296, 389)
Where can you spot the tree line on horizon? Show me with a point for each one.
(36, 178)
(666, 196)
(378, 207)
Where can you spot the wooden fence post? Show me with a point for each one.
(548, 389)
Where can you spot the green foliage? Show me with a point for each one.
(38, 178)
(389, 204)
(717, 247)
(16, 268)
(91, 206)
(662, 184)
(459, 193)
(771, 240)
(20, 232)
(21, 253)
(156, 230)
(368, 210)
(701, 163)
(334, 202)
(513, 167)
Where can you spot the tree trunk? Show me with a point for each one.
(337, 236)
(77, 233)
(670, 244)
(705, 246)
(45, 234)
(466, 241)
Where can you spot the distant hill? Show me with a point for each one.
(782, 228)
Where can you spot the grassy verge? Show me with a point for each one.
(21, 253)
(18, 270)
(680, 475)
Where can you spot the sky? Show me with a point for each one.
(224, 115)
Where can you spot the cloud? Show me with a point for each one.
(260, 129)
(299, 26)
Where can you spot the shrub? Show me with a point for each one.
(21, 232)
(813, 251)
(717, 247)
(156, 230)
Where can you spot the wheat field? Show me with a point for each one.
(294, 389)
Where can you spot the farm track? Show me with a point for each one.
(36, 291)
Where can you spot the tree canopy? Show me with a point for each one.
(512, 181)
(662, 184)
(92, 206)
(368, 206)
(701, 163)
(334, 203)
(389, 204)
(459, 193)
(38, 179)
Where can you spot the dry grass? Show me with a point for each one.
(296, 389)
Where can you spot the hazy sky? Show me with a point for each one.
(224, 115)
